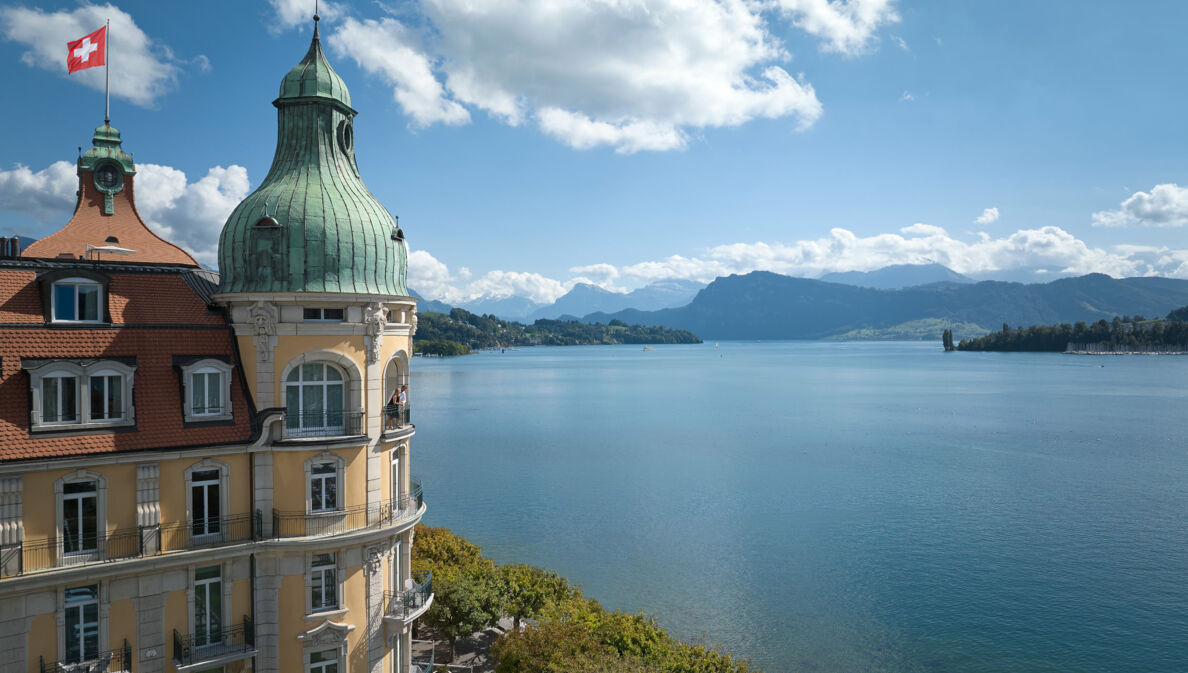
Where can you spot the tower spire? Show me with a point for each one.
(316, 19)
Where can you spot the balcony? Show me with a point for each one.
(197, 650)
(107, 662)
(411, 602)
(396, 417)
(382, 514)
(45, 554)
(323, 424)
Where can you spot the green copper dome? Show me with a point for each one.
(313, 77)
(312, 225)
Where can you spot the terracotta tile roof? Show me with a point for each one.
(164, 318)
(90, 225)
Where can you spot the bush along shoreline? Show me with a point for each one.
(461, 332)
(556, 629)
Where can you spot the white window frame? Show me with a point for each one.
(302, 385)
(320, 667)
(340, 467)
(75, 283)
(40, 397)
(319, 476)
(82, 374)
(203, 586)
(104, 607)
(224, 498)
(86, 555)
(322, 314)
(317, 577)
(207, 366)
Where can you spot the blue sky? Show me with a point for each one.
(527, 145)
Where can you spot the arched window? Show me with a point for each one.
(315, 399)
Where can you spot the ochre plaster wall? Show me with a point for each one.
(288, 478)
(122, 624)
(43, 641)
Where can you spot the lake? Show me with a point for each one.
(819, 506)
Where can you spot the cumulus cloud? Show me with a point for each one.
(988, 216)
(189, 214)
(1043, 251)
(1164, 206)
(630, 76)
(432, 279)
(294, 13)
(144, 71)
(386, 49)
(846, 27)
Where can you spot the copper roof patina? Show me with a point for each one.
(312, 225)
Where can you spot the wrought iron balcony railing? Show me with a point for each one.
(346, 519)
(27, 556)
(410, 600)
(396, 417)
(106, 662)
(224, 644)
(317, 424)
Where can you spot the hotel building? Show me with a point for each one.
(211, 472)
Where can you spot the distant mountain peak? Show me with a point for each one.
(897, 276)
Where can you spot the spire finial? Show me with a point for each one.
(316, 19)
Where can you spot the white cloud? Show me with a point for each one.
(141, 72)
(623, 74)
(386, 49)
(1165, 206)
(901, 43)
(988, 216)
(907, 96)
(847, 27)
(432, 279)
(599, 274)
(922, 229)
(294, 13)
(189, 214)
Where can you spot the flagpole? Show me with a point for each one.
(106, 75)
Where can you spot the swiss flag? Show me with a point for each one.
(86, 52)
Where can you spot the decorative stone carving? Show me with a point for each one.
(374, 558)
(327, 633)
(265, 316)
(412, 321)
(373, 321)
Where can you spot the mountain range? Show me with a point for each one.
(583, 298)
(898, 276)
(765, 305)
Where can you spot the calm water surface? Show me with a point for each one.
(835, 506)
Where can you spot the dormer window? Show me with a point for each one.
(80, 394)
(77, 300)
(322, 314)
(208, 390)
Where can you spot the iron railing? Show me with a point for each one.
(107, 662)
(195, 648)
(396, 417)
(302, 425)
(26, 556)
(408, 601)
(383, 513)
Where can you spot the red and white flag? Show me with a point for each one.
(87, 52)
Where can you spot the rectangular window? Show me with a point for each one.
(323, 583)
(208, 606)
(324, 662)
(107, 393)
(81, 623)
(204, 502)
(76, 302)
(59, 399)
(323, 314)
(80, 517)
(323, 487)
(206, 393)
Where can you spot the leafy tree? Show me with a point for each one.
(464, 601)
(439, 549)
(527, 590)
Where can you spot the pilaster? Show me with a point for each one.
(148, 506)
(12, 527)
(373, 565)
(268, 584)
(374, 391)
(150, 624)
(262, 467)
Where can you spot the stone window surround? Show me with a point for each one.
(100, 512)
(340, 475)
(81, 371)
(227, 584)
(339, 578)
(326, 636)
(352, 377)
(206, 366)
(396, 374)
(224, 496)
(104, 610)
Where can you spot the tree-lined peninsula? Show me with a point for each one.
(1125, 334)
(461, 331)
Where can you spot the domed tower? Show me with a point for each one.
(313, 273)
